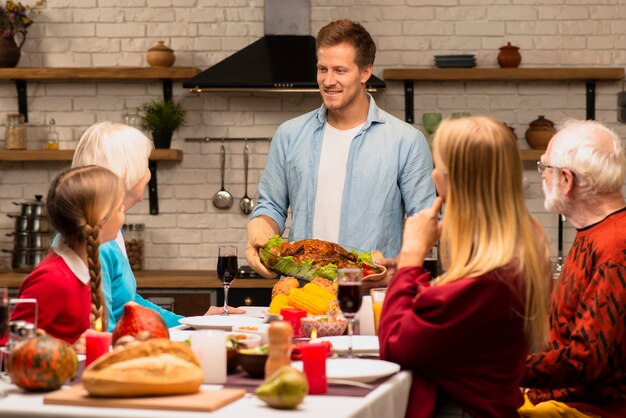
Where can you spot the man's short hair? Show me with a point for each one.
(350, 32)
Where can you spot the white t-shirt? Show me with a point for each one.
(331, 176)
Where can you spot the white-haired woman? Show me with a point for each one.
(125, 151)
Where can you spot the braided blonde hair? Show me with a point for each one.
(79, 199)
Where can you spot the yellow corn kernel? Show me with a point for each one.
(319, 291)
(313, 304)
(279, 301)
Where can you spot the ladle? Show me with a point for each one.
(246, 205)
(222, 199)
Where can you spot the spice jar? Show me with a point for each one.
(133, 239)
(15, 135)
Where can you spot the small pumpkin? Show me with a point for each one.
(136, 319)
(42, 363)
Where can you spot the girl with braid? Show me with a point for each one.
(85, 206)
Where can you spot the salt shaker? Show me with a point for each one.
(279, 337)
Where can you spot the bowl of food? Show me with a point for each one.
(252, 360)
(243, 339)
(325, 325)
(259, 329)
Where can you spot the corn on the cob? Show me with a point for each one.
(278, 302)
(313, 304)
(319, 291)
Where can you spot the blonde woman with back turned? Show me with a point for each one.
(465, 334)
(86, 208)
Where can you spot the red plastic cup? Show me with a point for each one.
(314, 367)
(293, 316)
(97, 343)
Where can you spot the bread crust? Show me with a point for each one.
(153, 367)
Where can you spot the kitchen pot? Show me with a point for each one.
(31, 240)
(31, 223)
(36, 207)
(25, 261)
(539, 133)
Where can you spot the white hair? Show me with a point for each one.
(593, 152)
(121, 148)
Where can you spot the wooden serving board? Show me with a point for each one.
(205, 401)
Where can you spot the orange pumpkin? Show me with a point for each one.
(42, 363)
(136, 319)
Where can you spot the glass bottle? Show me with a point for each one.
(131, 118)
(52, 142)
(15, 134)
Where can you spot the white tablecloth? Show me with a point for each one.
(388, 400)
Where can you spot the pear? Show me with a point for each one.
(284, 389)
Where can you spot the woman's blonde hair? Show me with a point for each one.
(486, 225)
(78, 201)
(121, 148)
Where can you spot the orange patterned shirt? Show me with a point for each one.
(584, 364)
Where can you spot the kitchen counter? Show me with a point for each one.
(165, 279)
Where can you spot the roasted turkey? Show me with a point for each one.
(321, 252)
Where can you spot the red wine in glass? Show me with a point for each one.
(227, 268)
(349, 297)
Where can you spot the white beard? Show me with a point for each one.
(554, 199)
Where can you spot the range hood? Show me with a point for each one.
(284, 60)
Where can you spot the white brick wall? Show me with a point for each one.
(203, 32)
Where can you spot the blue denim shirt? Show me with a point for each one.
(388, 175)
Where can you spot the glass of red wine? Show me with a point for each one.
(227, 269)
(349, 281)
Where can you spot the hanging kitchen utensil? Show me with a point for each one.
(222, 199)
(247, 204)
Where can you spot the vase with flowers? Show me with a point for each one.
(15, 19)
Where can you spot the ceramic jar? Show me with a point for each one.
(160, 56)
(509, 56)
(539, 133)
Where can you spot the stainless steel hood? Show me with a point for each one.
(284, 60)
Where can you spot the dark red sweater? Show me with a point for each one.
(464, 340)
(584, 364)
(64, 301)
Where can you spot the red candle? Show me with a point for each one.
(293, 316)
(314, 367)
(97, 343)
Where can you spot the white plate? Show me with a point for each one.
(219, 321)
(361, 344)
(356, 369)
(254, 311)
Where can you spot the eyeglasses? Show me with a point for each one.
(541, 167)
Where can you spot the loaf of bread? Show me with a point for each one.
(154, 367)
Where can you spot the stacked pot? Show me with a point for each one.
(32, 236)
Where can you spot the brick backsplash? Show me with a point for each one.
(550, 33)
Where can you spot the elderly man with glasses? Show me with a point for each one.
(582, 370)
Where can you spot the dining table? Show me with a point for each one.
(386, 397)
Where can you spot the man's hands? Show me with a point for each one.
(260, 230)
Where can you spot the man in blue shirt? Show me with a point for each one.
(348, 171)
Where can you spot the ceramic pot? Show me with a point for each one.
(509, 56)
(160, 56)
(539, 133)
(162, 140)
(10, 51)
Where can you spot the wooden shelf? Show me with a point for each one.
(531, 154)
(503, 74)
(165, 279)
(68, 154)
(98, 73)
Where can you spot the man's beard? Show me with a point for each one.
(554, 201)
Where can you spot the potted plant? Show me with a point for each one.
(162, 118)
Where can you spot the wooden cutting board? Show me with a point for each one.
(207, 400)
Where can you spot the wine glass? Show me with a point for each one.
(349, 281)
(431, 121)
(227, 269)
(4, 325)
